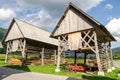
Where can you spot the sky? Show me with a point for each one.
(46, 13)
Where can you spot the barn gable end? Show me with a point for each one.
(71, 22)
(14, 32)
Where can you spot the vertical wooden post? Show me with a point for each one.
(55, 56)
(108, 58)
(26, 56)
(80, 41)
(75, 57)
(110, 50)
(23, 51)
(100, 72)
(7, 51)
(85, 55)
(42, 56)
(58, 57)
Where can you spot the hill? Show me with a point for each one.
(2, 32)
(116, 50)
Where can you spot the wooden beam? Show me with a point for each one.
(6, 56)
(55, 53)
(58, 58)
(108, 57)
(23, 51)
(100, 72)
(75, 57)
(42, 56)
(85, 55)
(110, 50)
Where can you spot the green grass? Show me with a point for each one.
(50, 69)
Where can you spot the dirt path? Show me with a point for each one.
(12, 74)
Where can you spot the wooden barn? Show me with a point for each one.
(27, 38)
(79, 32)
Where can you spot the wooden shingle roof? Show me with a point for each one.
(20, 29)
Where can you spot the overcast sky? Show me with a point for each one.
(46, 13)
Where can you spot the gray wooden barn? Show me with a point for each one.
(77, 31)
(27, 38)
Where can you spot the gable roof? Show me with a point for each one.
(30, 31)
(99, 25)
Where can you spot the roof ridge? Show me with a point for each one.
(32, 25)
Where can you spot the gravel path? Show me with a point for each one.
(12, 74)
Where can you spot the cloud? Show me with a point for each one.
(114, 27)
(52, 8)
(6, 14)
(26, 9)
(109, 6)
(40, 18)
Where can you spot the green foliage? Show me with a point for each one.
(116, 56)
(116, 53)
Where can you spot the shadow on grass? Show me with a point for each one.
(74, 79)
(6, 71)
(96, 78)
(2, 59)
(24, 68)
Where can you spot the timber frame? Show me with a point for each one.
(27, 38)
(92, 38)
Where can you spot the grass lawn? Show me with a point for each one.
(50, 69)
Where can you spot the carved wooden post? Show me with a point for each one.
(110, 50)
(100, 72)
(108, 57)
(42, 56)
(7, 51)
(58, 58)
(23, 51)
(55, 56)
(85, 55)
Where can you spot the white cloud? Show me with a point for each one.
(58, 4)
(114, 27)
(6, 14)
(41, 19)
(109, 6)
(53, 8)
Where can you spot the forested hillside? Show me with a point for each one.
(2, 32)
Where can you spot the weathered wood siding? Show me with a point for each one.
(14, 33)
(73, 21)
(74, 40)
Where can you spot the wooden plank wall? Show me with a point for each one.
(14, 33)
(74, 40)
(72, 22)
